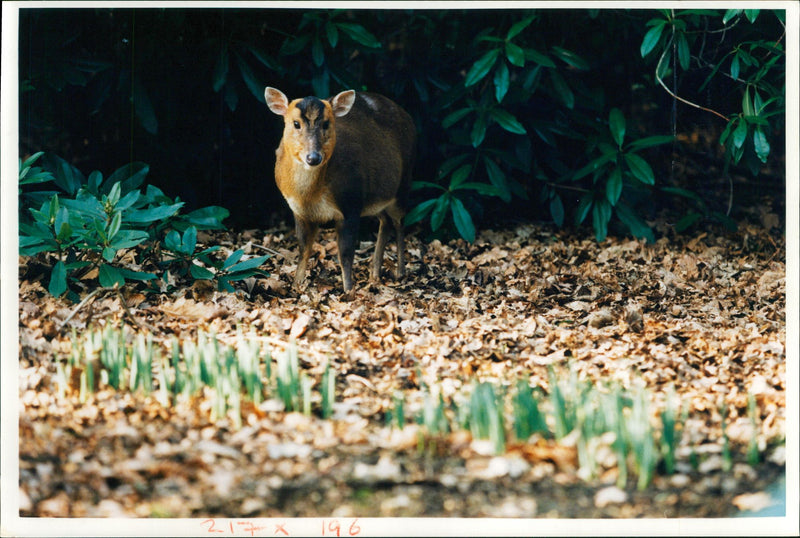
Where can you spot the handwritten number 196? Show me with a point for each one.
(334, 528)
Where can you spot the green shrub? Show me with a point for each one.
(513, 106)
(90, 221)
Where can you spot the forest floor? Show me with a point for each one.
(702, 314)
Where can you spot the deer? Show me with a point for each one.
(340, 159)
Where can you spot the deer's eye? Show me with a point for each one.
(296, 124)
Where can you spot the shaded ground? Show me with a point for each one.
(705, 314)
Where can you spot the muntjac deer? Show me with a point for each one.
(340, 159)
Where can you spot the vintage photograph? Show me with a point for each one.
(476, 265)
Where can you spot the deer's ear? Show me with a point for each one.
(343, 102)
(276, 101)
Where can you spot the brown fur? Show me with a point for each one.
(340, 159)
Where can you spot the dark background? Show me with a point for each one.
(104, 87)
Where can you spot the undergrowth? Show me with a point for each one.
(605, 420)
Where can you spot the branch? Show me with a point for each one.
(674, 96)
(79, 306)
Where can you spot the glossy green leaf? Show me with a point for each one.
(114, 224)
(234, 257)
(172, 241)
(519, 26)
(635, 224)
(651, 38)
(515, 54)
(115, 193)
(684, 56)
(539, 58)
(294, 45)
(557, 210)
(419, 185)
(317, 52)
(730, 14)
(616, 123)
(453, 118)
(687, 221)
(481, 67)
(463, 220)
(253, 84)
(601, 214)
(58, 280)
(735, 66)
(223, 284)
(478, 132)
(498, 178)
(200, 273)
(685, 193)
(614, 186)
(190, 240)
(128, 238)
(761, 145)
(60, 219)
(481, 188)
(109, 276)
(740, 134)
(651, 141)
(594, 165)
(747, 105)
(640, 169)
(152, 214)
(440, 211)
(207, 218)
(460, 176)
(332, 33)
(131, 176)
(264, 59)
(451, 164)
(252, 263)
(128, 274)
(419, 212)
(359, 34)
(221, 68)
(570, 58)
(501, 81)
(109, 253)
(32, 159)
(583, 208)
(94, 181)
(563, 92)
(507, 121)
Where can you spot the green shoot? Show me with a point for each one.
(753, 457)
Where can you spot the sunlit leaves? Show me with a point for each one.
(103, 218)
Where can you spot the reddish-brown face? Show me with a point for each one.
(309, 134)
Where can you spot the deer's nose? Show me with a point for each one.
(314, 158)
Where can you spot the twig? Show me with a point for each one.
(674, 96)
(142, 325)
(268, 250)
(79, 306)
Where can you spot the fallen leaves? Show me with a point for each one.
(704, 315)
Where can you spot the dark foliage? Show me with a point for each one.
(564, 113)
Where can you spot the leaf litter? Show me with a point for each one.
(703, 316)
